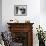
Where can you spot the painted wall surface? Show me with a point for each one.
(43, 14)
(43, 6)
(0, 15)
(33, 14)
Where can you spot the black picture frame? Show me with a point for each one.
(20, 10)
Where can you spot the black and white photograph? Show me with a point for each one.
(20, 10)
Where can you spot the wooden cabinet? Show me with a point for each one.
(22, 33)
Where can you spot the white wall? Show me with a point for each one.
(33, 14)
(43, 6)
(43, 14)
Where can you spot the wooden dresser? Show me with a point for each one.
(22, 33)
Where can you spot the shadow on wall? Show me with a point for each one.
(0, 15)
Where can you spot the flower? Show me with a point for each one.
(40, 33)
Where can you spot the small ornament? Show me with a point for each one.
(27, 21)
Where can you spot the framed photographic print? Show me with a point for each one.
(20, 10)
